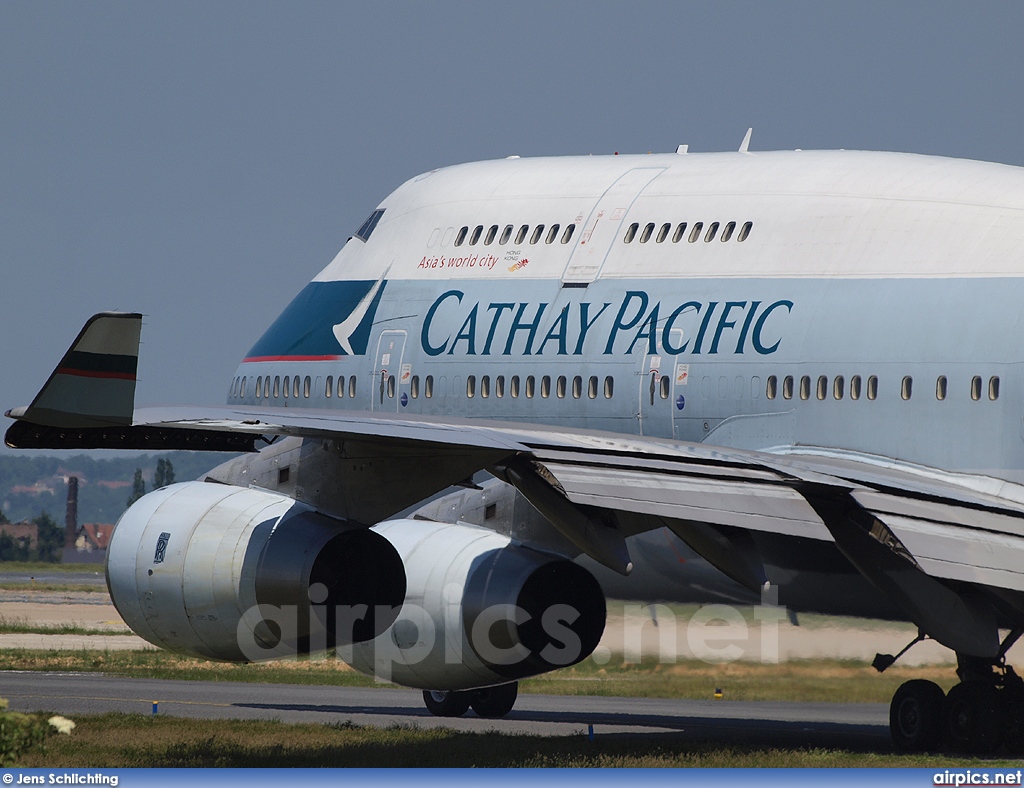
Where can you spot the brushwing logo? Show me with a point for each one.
(326, 321)
(344, 330)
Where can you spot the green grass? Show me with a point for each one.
(137, 741)
(21, 625)
(804, 681)
(43, 566)
(58, 587)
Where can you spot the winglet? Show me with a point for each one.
(746, 140)
(94, 384)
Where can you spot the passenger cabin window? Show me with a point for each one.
(499, 386)
(485, 386)
(259, 388)
(771, 388)
(666, 383)
(364, 232)
(592, 387)
(530, 386)
(471, 386)
(907, 387)
(663, 232)
(489, 238)
(645, 236)
(609, 387)
(838, 387)
(631, 232)
(940, 387)
(506, 234)
(552, 234)
(242, 393)
(461, 237)
(475, 237)
(545, 387)
(414, 387)
(521, 235)
(306, 384)
(712, 231)
(329, 387)
(513, 387)
(537, 233)
(822, 389)
(567, 235)
(728, 230)
(745, 231)
(428, 386)
(560, 387)
(352, 387)
(295, 387)
(873, 387)
(277, 386)
(341, 386)
(805, 387)
(787, 387)
(855, 387)
(677, 236)
(577, 387)
(993, 388)
(695, 232)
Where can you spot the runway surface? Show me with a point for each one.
(848, 726)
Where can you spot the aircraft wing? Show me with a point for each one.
(947, 547)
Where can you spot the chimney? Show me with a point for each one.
(71, 518)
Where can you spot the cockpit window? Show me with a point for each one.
(369, 225)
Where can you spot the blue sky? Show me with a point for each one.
(201, 161)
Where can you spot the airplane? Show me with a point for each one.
(803, 364)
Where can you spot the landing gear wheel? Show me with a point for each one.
(446, 704)
(495, 702)
(972, 718)
(1013, 713)
(915, 716)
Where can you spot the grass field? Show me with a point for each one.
(122, 740)
(815, 680)
(44, 566)
(12, 625)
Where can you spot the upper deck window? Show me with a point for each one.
(364, 232)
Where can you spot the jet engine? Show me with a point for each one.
(480, 610)
(239, 574)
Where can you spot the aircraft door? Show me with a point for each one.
(385, 389)
(602, 228)
(662, 395)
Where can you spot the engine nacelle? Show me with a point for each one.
(480, 610)
(239, 574)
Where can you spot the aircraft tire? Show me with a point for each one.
(494, 702)
(446, 704)
(916, 716)
(972, 718)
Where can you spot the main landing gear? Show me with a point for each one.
(489, 702)
(978, 715)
